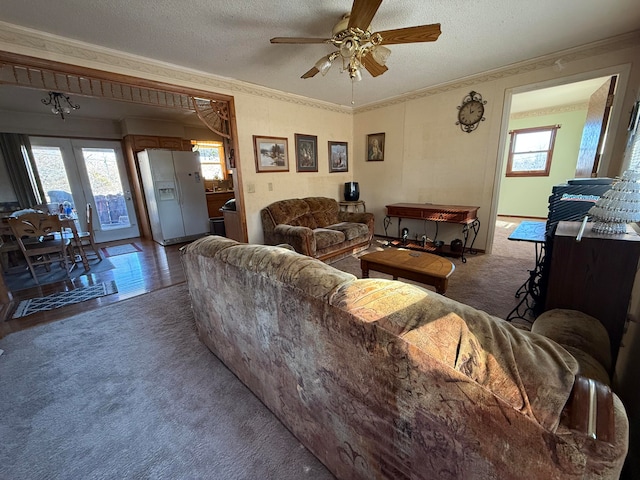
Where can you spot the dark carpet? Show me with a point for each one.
(129, 392)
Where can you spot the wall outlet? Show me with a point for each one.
(251, 188)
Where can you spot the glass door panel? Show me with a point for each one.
(106, 186)
(77, 172)
(102, 171)
(53, 177)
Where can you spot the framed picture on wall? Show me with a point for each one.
(338, 157)
(271, 154)
(375, 147)
(306, 153)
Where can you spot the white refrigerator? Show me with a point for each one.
(175, 195)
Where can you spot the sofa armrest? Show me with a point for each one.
(301, 239)
(358, 217)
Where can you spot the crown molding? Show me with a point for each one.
(620, 42)
(26, 41)
(555, 110)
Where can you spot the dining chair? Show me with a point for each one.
(8, 245)
(34, 233)
(85, 239)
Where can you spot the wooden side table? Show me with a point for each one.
(345, 206)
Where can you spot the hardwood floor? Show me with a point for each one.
(154, 268)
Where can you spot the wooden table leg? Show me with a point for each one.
(365, 268)
(5, 294)
(441, 286)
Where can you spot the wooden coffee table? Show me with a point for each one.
(418, 266)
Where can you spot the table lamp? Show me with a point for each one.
(618, 206)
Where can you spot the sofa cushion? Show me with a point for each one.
(351, 230)
(324, 210)
(326, 238)
(588, 366)
(491, 352)
(284, 211)
(306, 220)
(571, 328)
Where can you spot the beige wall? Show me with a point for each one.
(269, 117)
(429, 159)
(529, 196)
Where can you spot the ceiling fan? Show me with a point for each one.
(357, 46)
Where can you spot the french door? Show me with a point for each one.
(76, 172)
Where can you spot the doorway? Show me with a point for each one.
(74, 173)
(563, 105)
(216, 111)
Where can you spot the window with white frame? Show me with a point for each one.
(531, 151)
(211, 159)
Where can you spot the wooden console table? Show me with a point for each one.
(464, 215)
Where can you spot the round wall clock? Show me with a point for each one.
(471, 112)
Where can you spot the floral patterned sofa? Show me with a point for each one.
(315, 226)
(385, 380)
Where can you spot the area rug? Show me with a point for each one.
(61, 299)
(19, 280)
(120, 249)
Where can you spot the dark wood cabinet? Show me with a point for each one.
(594, 275)
(142, 142)
(215, 201)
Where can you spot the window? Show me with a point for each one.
(211, 159)
(530, 151)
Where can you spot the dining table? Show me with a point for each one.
(68, 223)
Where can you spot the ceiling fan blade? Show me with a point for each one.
(298, 40)
(310, 73)
(373, 67)
(362, 12)
(422, 33)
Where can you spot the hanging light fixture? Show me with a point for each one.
(60, 104)
(353, 47)
(324, 64)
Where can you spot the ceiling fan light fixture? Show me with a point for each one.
(380, 54)
(349, 47)
(323, 65)
(354, 70)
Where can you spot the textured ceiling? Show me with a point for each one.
(231, 39)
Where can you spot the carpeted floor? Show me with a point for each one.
(129, 392)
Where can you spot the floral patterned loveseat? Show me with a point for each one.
(315, 226)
